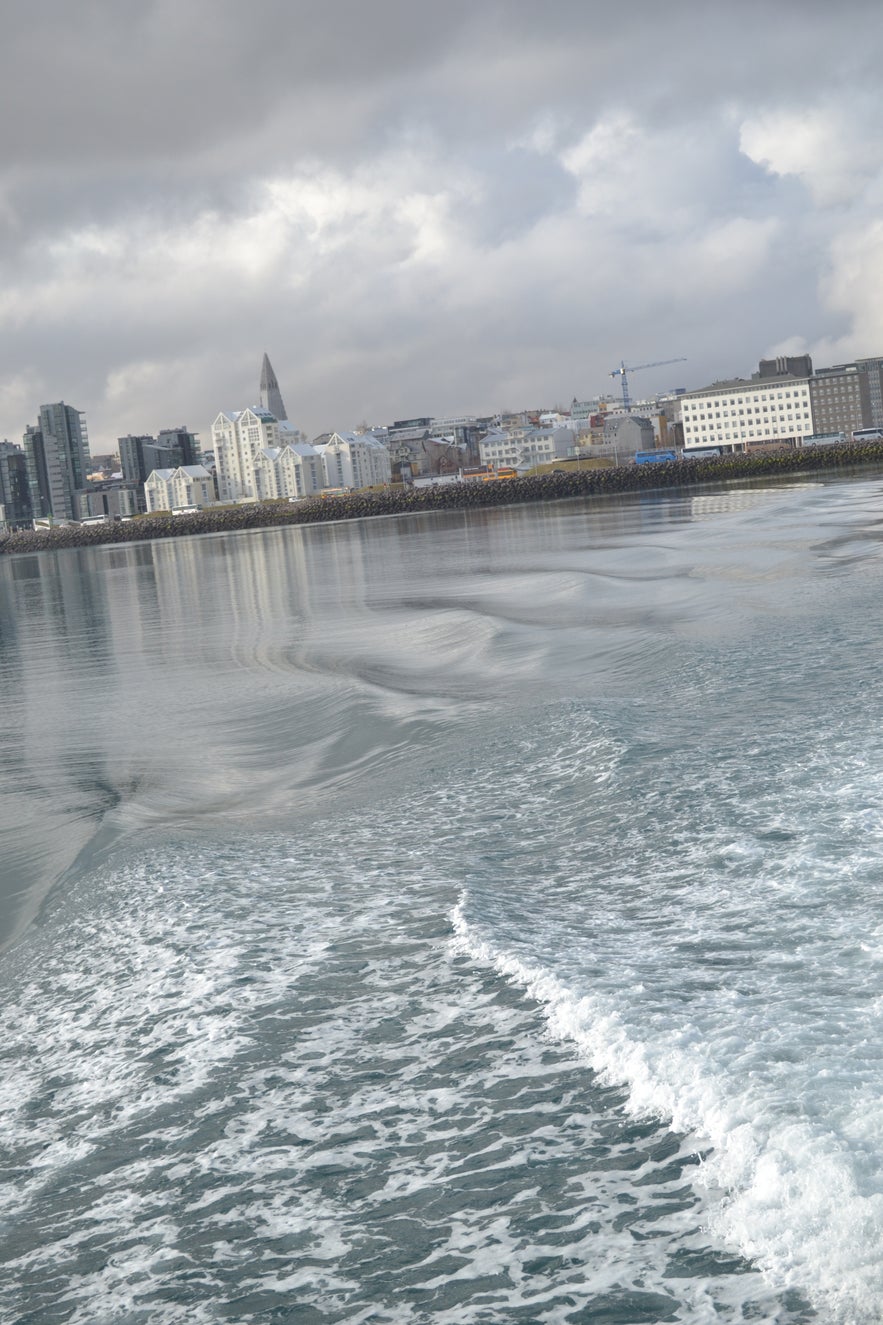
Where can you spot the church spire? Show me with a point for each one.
(271, 396)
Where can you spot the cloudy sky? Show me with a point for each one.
(422, 208)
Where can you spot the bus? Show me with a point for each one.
(505, 471)
(867, 435)
(702, 453)
(655, 457)
(825, 439)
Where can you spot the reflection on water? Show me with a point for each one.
(237, 675)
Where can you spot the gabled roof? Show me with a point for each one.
(354, 438)
(301, 449)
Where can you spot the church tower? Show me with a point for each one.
(271, 396)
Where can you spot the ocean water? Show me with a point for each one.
(466, 918)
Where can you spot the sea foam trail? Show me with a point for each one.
(268, 1086)
(788, 1195)
(694, 902)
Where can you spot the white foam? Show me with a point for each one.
(790, 1195)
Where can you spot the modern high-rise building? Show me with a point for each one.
(271, 396)
(180, 443)
(133, 461)
(141, 455)
(15, 493)
(57, 451)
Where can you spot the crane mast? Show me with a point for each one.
(624, 369)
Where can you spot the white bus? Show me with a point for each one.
(825, 439)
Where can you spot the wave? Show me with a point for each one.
(790, 1194)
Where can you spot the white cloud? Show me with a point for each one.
(832, 147)
(498, 201)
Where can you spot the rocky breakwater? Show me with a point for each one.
(556, 486)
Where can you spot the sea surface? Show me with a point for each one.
(474, 917)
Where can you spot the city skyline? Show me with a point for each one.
(419, 210)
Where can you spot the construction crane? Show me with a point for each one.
(623, 370)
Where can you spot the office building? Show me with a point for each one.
(56, 451)
(841, 400)
(15, 492)
(772, 408)
(171, 449)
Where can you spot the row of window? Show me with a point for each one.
(745, 432)
(763, 409)
(780, 422)
(731, 400)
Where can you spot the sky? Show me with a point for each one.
(423, 209)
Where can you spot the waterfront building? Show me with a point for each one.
(15, 492)
(137, 457)
(624, 434)
(140, 455)
(109, 500)
(355, 460)
(498, 448)
(181, 444)
(841, 400)
(774, 407)
(524, 448)
(259, 457)
(406, 443)
(300, 471)
(873, 371)
(56, 452)
(239, 440)
(466, 431)
(172, 489)
(291, 471)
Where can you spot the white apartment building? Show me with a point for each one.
(525, 447)
(170, 489)
(740, 414)
(238, 440)
(299, 470)
(355, 460)
(288, 471)
(259, 457)
(498, 448)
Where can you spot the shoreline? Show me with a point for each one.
(558, 485)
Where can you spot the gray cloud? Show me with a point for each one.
(418, 209)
